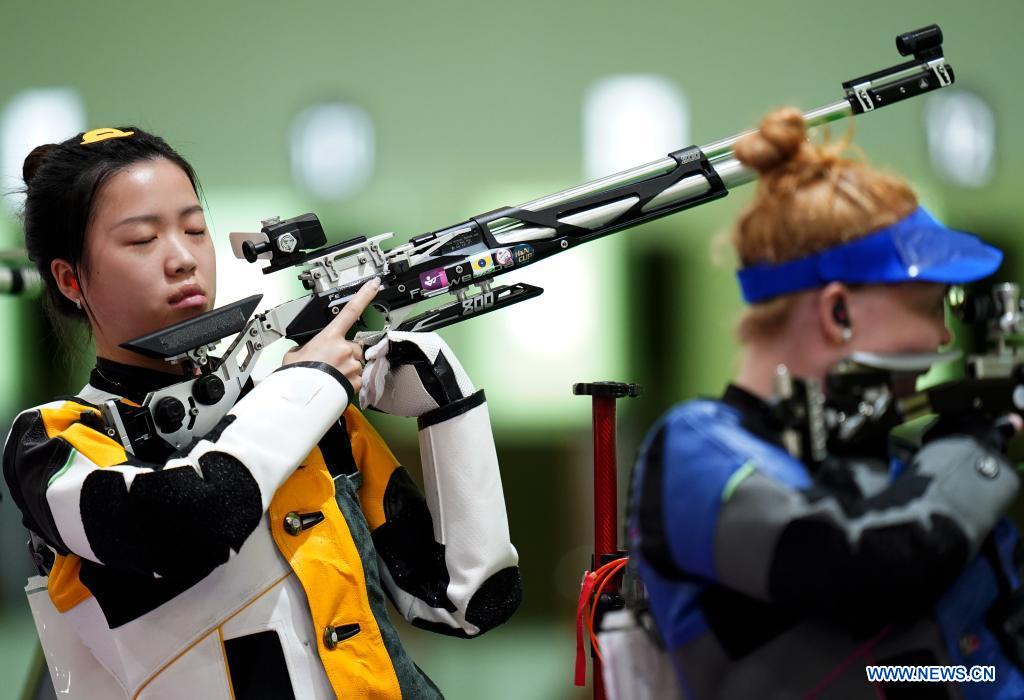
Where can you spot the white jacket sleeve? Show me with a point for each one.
(475, 583)
(80, 491)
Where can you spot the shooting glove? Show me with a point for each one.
(412, 374)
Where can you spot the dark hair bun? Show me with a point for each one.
(34, 159)
(776, 143)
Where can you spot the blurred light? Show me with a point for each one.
(574, 332)
(32, 118)
(961, 137)
(568, 284)
(529, 355)
(630, 120)
(332, 149)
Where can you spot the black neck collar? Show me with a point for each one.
(756, 414)
(129, 381)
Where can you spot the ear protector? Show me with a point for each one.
(840, 314)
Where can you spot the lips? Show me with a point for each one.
(189, 296)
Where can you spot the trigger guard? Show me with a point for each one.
(369, 338)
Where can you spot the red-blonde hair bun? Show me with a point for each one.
(810, 197)
(779, 139)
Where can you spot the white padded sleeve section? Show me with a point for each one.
(412, 608)
(275, 427)
(64, 493)
(278, 423)
(462, 487)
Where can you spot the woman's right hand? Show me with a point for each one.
(331, 347)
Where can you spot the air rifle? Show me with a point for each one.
(460, 260)
(867, 396)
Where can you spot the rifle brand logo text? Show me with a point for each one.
(434, 279)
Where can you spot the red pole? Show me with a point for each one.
(605, 498)
(606, 507)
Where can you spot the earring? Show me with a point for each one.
(847, 334)
(78, 304)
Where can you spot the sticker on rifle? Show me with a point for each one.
(482, 264)
(434, 279)
(503, 256)
(523, 253)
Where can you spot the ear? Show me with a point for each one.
(834, 315)
(67, 280)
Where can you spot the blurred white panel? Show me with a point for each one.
(29, 119)
(528, 356)
(32, 118)
(332, 149)
(961, 129)
(558, 326)
(629, 120)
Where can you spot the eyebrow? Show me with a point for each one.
(154, 218)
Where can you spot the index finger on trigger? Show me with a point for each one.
(355, 306)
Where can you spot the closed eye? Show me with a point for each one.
(144, 241)
(196, 233)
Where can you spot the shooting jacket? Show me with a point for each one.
(255, 562)
(766, 581)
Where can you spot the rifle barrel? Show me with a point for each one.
(719, 153)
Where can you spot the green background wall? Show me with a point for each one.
(478, 105)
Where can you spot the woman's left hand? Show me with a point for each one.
(410, 374)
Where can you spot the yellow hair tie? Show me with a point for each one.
(97, 135)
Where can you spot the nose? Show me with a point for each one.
(179, 260)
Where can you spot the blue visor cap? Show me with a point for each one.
(915, 248)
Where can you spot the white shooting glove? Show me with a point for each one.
(410, 374)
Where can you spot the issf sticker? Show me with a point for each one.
(433, 280)
(522, 253)
(482, 264)
(503, 256)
